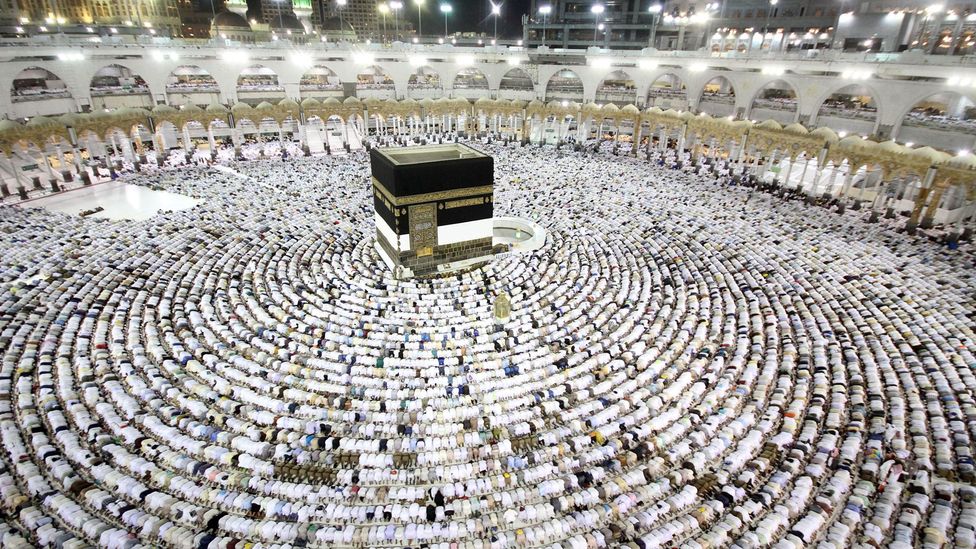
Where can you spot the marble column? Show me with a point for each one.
(16, 171)
(928, 219)
(830, 182)
(803, 174)
(848, 180)
(920, 200)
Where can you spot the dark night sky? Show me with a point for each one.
(468, 16)
(471, 16)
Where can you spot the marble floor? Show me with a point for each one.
(119, 200)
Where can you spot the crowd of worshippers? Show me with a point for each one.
(689, 362)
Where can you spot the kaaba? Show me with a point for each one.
(433, 207)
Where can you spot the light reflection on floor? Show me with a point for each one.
(120, 200)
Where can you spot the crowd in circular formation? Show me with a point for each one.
(688, 363)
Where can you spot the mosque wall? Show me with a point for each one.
(894, 86)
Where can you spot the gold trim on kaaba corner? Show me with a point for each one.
(432, 197)
(383, 199)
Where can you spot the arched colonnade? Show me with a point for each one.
(786, 97)
(817, 162)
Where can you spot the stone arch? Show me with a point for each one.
(517, 79)
(191, 84)
(37, 83)
(848, 89)
(941, 109)
(317, 120)
(373, 81)
(333, 119)
(113, 76)
(939, 120)
(425, 81)
(617, 87)
(140, 132)
(247, 124)
(168, 135)
(220, 132)
(258, 123)
(218, 124)
(516, 84)
(116, 86)
(88, 139)
(258, 83)
(667, 91)
(195, 127)
(717, 97)
(55, 142)
(470, 79)
(319, 81)
(564, 84)
(776, 100)
(28, 146)
(259, 75)
(121, 140)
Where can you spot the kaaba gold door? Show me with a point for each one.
(423, 228)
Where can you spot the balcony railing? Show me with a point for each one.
(723, 99)
(775, 104)
(260, 87)
(616, 94)
(24, 95)
(462, 85)
(192, 88)
(104, 91)
(320, 87)
(863, 113)
(854, 113)
(666, 92)
(939, 122)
